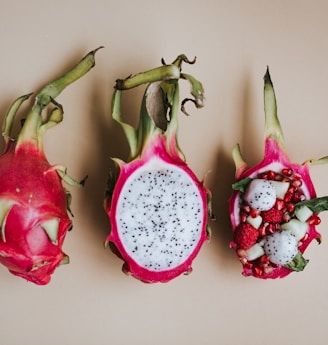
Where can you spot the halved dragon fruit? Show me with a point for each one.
(33, 203)
(277, 199)
(158, 209)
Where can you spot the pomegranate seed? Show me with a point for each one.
(246, 208)
(297, 197)
(254, 213)
(287, 172)
(271, 228)
(286, 217)
(264, 176)
(271, 175)
(277, 226)
(262, 229)
(288, 197)
(291, 190)
(280, 204)
(297, 176)
(243, 217)
(258, 271)
(314, 220)
(297, 183)
(290, 207)
(248, 264)
(264, 259)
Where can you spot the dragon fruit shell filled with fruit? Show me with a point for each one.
(273, 208)
(33, 203)
(157, 207)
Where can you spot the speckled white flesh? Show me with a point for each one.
(281, 247)
(260, 194)
(159, 215)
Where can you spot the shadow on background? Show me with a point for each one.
(223, 176)
(251, 122)
(220, 185)
(108, 141)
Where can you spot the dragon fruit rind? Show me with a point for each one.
(34, 205)
(273, 208)
(158, 209)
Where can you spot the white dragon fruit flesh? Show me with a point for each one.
(281, 247)
(284, 209)
(260, 194)
(157, 207)
(34, 205)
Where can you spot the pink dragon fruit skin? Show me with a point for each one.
(153, 151)
(34, 204)
(275, 160)
(35, 196)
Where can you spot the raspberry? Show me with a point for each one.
(245, 236)
(272, 216)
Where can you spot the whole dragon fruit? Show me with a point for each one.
(33, 203)
(158, 209)
(273, 208)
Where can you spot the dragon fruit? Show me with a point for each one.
(278, 199)
(157, 207)
(34, 205)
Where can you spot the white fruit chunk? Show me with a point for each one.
(281, 188)
(281, 247)
(255, 222)
(254, 252)
(260, 194)
(303, 213)
(296, 228)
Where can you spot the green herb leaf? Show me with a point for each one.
(298, 263)
(316, 205)
(242, 184)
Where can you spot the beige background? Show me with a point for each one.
(90, 301)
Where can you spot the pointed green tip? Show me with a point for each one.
(65, 260)
(267, 77)
(51, 227)
(273, 128)
(316, 161)
(10, 116)
(53, 89)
